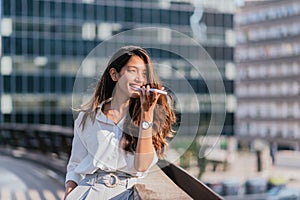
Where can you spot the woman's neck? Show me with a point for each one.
(116, 109)
(119, 104)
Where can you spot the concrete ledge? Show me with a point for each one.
(157, 185)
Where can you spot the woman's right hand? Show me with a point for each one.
(70, 185)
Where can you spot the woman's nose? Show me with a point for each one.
(139, 78)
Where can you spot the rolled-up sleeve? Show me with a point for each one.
(78, 153)
(155, 159)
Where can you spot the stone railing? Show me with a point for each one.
(51, 145)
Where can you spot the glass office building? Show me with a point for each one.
(268, 65)
(43, 43)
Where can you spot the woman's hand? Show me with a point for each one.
(70, 185)
(148, 99)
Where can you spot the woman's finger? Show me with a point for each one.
(143, 91)
(148, 90)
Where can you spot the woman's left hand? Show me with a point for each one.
(148, 99)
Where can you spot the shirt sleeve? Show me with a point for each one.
(78, 153)
(155, 158)
(154, 161)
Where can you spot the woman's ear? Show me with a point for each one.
(114, 74)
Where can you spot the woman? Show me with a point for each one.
(121, 132)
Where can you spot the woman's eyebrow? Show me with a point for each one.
(134, 66)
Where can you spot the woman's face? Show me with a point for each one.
(133, 75)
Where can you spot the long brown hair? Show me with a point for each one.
(164, 116)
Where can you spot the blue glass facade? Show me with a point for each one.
(44, 43)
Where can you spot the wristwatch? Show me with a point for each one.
(146, 125)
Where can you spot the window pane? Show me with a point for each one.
(100, 13)
(18, 43)
(88, 11)
(165, 16)
(41, 9)
(228, 54)
(128, 14)
(219, 53)
(110, 13)
(6, 45)
(6, 5)
(228, 20)
(219, 20)
(210, 19)
(30, 46)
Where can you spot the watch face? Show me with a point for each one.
(146, 125)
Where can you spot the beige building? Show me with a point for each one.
(267, 59)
